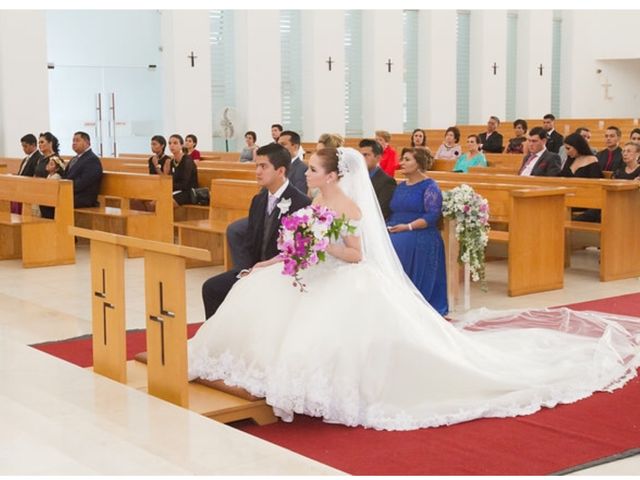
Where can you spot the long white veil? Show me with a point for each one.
(376, 243)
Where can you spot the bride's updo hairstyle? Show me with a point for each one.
(329, 159)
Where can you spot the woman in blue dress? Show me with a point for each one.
(416, 207)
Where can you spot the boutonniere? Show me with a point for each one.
(283, 205)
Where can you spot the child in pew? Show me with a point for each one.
(55, 168)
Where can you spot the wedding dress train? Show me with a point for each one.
(362, 347)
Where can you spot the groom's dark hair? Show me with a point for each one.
(278, 155)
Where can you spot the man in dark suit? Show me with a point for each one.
(610, 159)
(554, 139)
(278, 197)
(85, 170)
(33, 155)
(383, 184)
(291, 141)
(491, 140)
(539, 162)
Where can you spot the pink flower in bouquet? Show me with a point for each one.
(304, 238)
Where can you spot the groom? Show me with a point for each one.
(278, 197)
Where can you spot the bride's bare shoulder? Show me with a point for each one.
(351, 210)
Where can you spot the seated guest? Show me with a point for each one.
(539, 162)
(159, 162)
(586, 134)
(184, 171)
(630, 170)
(55, 169)
(610, 158)
(554, 139)
(85, 170)
(450, 148)
(329, 140)
(473, 158)
(491, 140)
(389, 161)
(635, 135)
(518, 144)
(416, 208)
(190, 143)
(382, 183)
(33, 156)
(50, 148)
(580, 161)
(248, 152)
(297, 169)
(276, 130)
(260, 240)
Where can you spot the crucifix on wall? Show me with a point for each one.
(192, 57)
(540, 67)
(495, 68)
(330, 62)
(388, 64)
(606, 86)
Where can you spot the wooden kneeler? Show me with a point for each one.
(165, 372)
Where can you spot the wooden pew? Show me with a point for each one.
(156, 225)
(12, 164)
(38, 241)
(3, 168)
(230, 201)
(619, 230)
(534, 217)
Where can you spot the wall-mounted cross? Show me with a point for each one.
(160, 320)
(105, 305)
(495, 68)
(388, 64)
(540, 69)
(193, 59)
(330, 62)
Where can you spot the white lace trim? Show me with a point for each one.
(336, 400)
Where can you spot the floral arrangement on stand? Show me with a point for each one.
(304, 237)
(471, 213)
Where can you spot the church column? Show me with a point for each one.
(437, 68)
(533, 90)
(323, 55)
(257, 59)
(187, 80)
(382, 84)
(488, 42)
(24, 83)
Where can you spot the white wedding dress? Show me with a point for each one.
(362, 347)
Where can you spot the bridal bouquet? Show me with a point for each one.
(471, 213)
(304, 238)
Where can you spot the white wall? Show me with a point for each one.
(323, 90)
(437, 68)
(258, 96)
(605, 40)
(488, 43)
(187, 89)
(23, 78)
(382, 92)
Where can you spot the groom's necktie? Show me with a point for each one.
(272, 203)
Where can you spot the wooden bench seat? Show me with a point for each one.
(124, 187)
(230, 201)
(619, 230)
(38, 241)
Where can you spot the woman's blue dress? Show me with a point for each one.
(421, 251)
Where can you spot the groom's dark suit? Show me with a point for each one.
(261, 243)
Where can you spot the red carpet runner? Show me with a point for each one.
(546, 442)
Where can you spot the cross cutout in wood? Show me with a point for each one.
(193, 59)
(105, 305)
(330, 62)
(160, 320)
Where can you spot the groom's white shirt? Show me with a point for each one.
(281, 190)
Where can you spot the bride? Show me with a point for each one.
(363, 347)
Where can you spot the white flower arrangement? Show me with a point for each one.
(471, 213)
